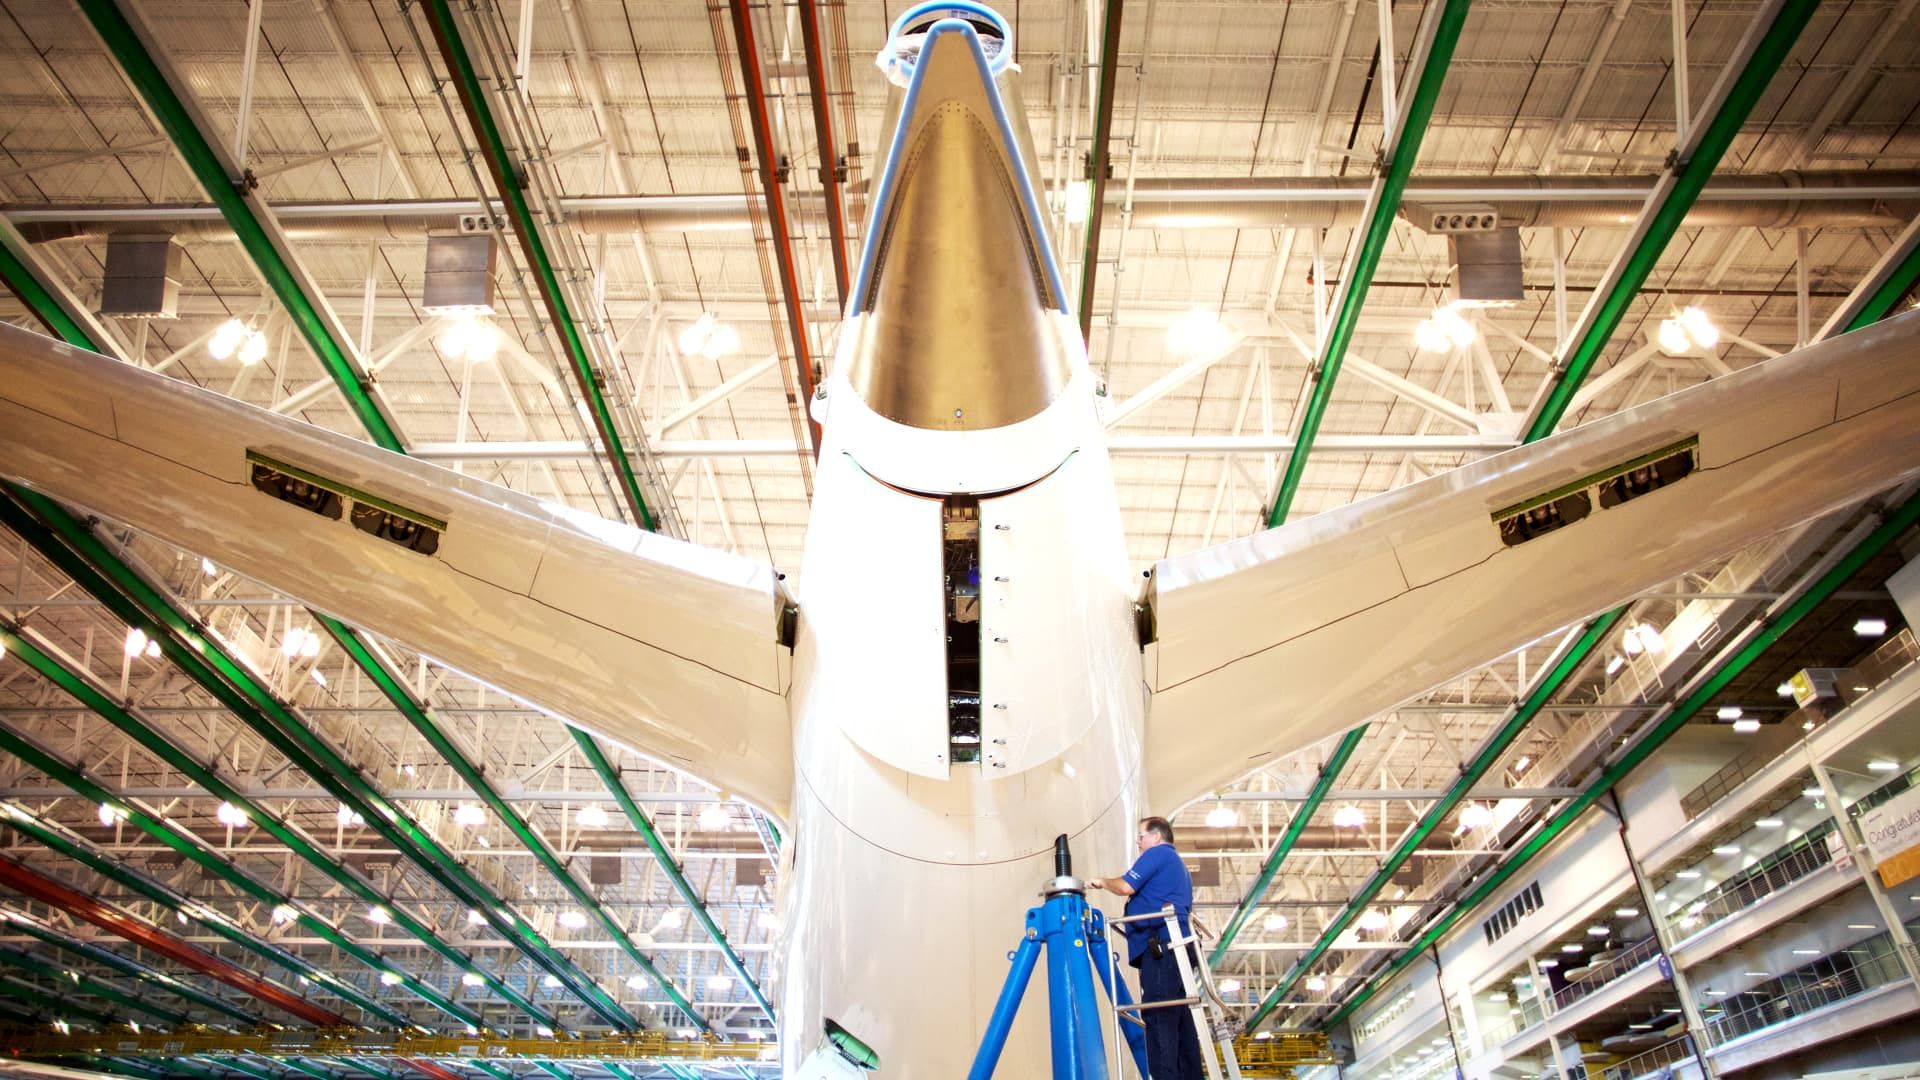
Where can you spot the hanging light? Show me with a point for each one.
(1747, 726)
(254, 348)
(379, 916)
(1230, 986)
(136, 641)
(672, 920)
(714, 817)
(284, 914)
(1222, 816)
(347, 816)
(573, 920)
(1650, 638)
(1476, 815)
(551, 982)
(1275, 921)
(1699, 327)
(388, 978)
(1372, 920)
(1458, 330)
(724, 341)
(226, 339)
(1317, 983)
(110, 813)
(590, 817)
(455, 338)
(1077, 201)
(636, 982)
(474, 918)
(483, 344)
(694, 337)
(469, 814)
(1429, 337)
(1198, 332)
(1672, 337)
(1349, 817)
(719, 983)
(231, 816)
(471, 978)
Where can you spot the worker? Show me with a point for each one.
(1157, 878)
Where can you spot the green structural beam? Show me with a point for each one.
(190, 847)
(1382, 207)
(1329, 775)
(1098, 157)
(1871, 300)
(20, 960)
(85, 558)
(1471, 774)
(107, 958)
(1694, 163)
(507, 182)
(252, 224)
(644, 826)
(37, 999)
(1892, 524)
(72, 545)
(416, 715)
(1889, 282)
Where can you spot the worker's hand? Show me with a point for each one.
(1096, 883)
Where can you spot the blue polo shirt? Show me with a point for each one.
(1158, 878)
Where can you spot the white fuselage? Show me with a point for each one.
(907, 876)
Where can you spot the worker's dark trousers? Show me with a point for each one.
(1173, 1046)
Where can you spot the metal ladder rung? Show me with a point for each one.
(1169, 1003)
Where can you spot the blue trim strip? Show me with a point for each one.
(957, 7)
(884, 192)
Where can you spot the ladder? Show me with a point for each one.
(1216, 1028)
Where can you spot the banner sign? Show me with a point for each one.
(1892, 832)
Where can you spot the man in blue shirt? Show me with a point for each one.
(1159, 878)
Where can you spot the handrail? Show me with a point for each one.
(1893, 656)
(1786, 865)
(1643, 1063)
(1599, 975)
(1852, 971)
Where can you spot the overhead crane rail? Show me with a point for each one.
(649, 1046)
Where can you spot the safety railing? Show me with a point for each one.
(1893, 656)
(1793, 862)
(1650, 1061)
(1599, 975)
(1521, 1016)
(1872, 963)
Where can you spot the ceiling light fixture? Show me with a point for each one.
(1747, 726)
(1626, 913)
(590, 817)
(231, 816)
(1349, 817)
(379, 916)
(1729, 712)
(1785, 689)
(388, 978)
(227, 339)
(1870, 627)
(136, 641)
(709, 337)
(284, 914)
(1197, 332)
(1371, 920)
(474, 918)
(1274, 922)
(1726, 849)
(1882, 765)
(110, 813)
(469, 814)
(714, 817)
(573, 920)
(1769, 823)
(1476, 815)
(635, 982)
(469, 978)
(1316, 983)
(1222, 816)
(551, 982)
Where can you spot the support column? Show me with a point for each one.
(1689, 1005)
(1850, 834)
(1446, 1014)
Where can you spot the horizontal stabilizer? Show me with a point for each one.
(662, 646)
(1270, 643)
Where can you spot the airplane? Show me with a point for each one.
(965, 665)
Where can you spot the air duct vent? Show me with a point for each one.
(143, 277)
(460, 274)
(1488, 265)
